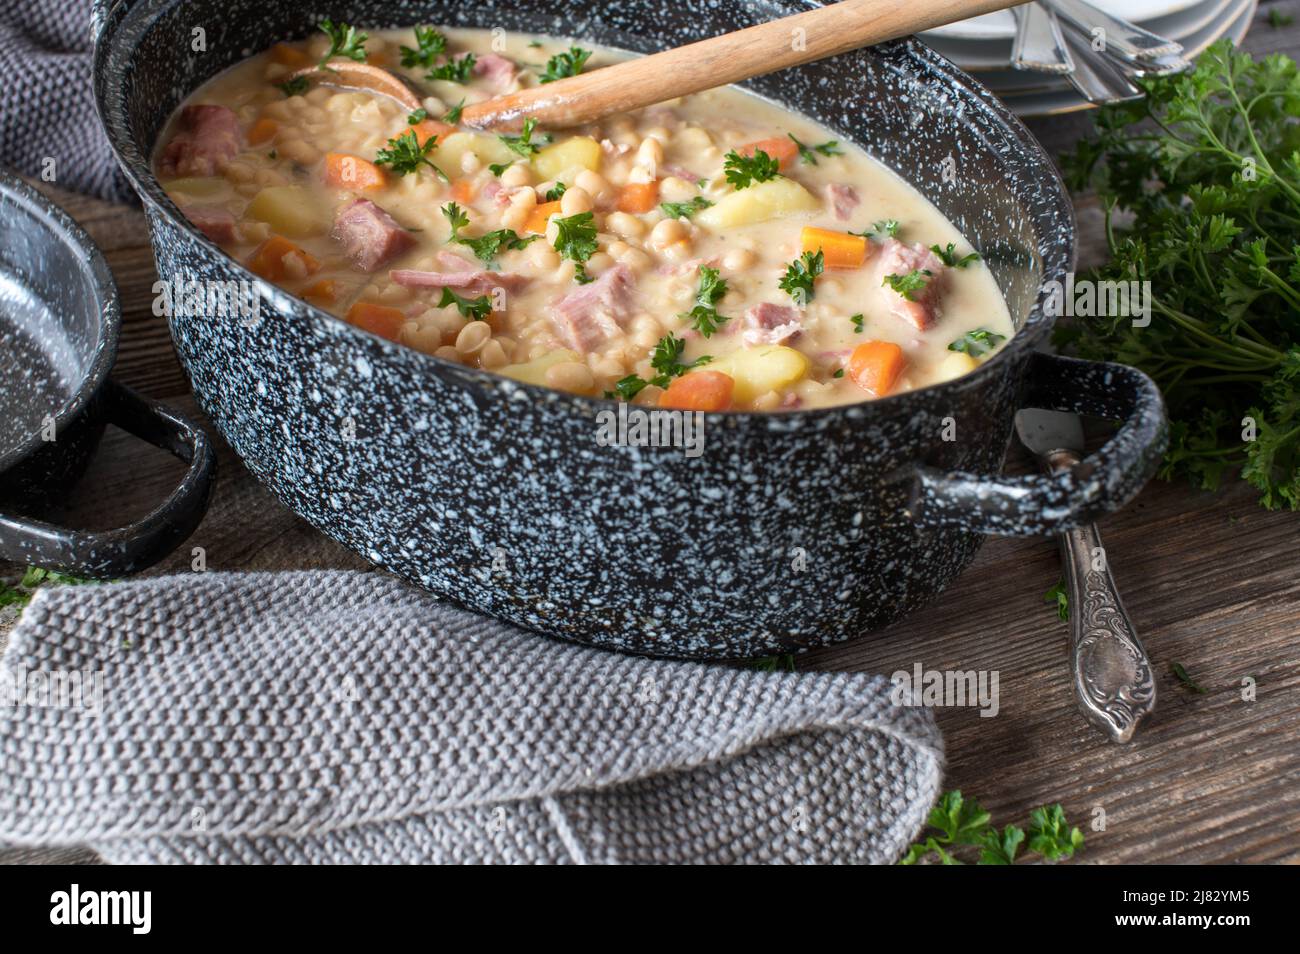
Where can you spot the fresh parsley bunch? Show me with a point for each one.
(1204, 174)
(957, 822)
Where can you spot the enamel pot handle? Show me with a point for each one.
(109, 553)
(1097, 484)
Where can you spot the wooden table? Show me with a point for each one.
(1212, 582)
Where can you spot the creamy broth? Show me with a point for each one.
(288, 182)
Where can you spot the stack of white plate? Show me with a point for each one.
(982, 46)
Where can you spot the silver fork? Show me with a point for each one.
(1039, 45)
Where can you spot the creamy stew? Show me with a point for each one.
(713, 252)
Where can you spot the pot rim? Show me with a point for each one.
(1057, 251)
(58, 222)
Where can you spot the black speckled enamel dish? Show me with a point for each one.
(791, 530)
(59, 320)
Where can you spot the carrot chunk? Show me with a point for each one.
(782, 149)
(431, 127)
(875, 366)
(353, 172)
(323, 292)
(287, 55)
(272, 260)
(839, 249)
(537, 219)
(699, 391)
(381, 320)
(638, 197)
(464, 191)
(263, 130)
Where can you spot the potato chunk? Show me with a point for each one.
(449, 152)
(534, 372)
(954, 365)
(759, 203)
(580, 152)
(290, 210)
(759, 370)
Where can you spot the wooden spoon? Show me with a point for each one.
(349, 74)
(766, 48)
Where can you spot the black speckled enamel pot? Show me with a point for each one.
(791, 530)
(59, 321)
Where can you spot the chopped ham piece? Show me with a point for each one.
(216, 223)
(844, 199)
(498, 71)
(899, 258)
(207, 137)
(591, 313)
(769, 324)
(468, 281)
(370, 236)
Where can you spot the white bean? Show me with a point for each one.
(473, 337)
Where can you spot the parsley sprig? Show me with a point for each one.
(576, 241)
(908, 285)
(475, 309)
(684, 210)
(744, 171)
(486, 247)
(881, 229)
(956, 823)
(800, 275)
(704, 317)
(568, 63)
(666, 359)
(808, 154)
(977, 343)
(523, 144)
(950, 257)
(430, 44)
(1200, 185)
(294, 86)
(456, 70)
(345, 41)
(405, 155)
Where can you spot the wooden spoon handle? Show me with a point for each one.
(754, 51)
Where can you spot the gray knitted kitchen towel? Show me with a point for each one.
(48, 126)
(346, 717)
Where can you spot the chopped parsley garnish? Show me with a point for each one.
(345, 41)
(704, 316)
(417, 117)
(857, 322)
(523, 143)
(800, 276)
(809, 153)
(431, 44)
(978, 342)
(838, 374)
(453, 115)
(535, 44)
(405, 154)
(496, 168)
(453, 71)
(568, 63)
(880, 229)
(487, 247)
(949, 256)
(555, 192)
(667, 360)
(743, 171)
(684, 210)
(907, 285)
(475, 309)
(576, 241)
(294, 86)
